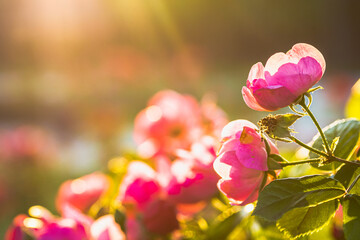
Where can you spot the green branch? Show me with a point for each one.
(307, 110)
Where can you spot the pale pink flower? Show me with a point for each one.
(242, 162)
(193, 176)
(170, 121)
(75, 197)
(284, 78)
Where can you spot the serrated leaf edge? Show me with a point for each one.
(311, 205)
(288, 235)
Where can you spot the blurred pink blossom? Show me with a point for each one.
(170, 121)
(142, 194)
(75, 197)
(284, 78)
(26, 142)
(193, 176)
(44, 226)
(242, 162)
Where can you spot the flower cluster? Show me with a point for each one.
(186, 152)
(178, 138)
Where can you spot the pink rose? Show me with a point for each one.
(42, 225)
(142, 194)
(170, 121)
(193, 176)
(242, 162)
(75, 197)
(284, 78)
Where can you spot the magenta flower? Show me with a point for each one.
(242, 162)
(193, 177)
(143, 196)
(42, 225)
(284, 78)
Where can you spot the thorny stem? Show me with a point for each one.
(307, 110)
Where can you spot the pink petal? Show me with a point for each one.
(274, 97)
(301, 50)
(297, 78)
(234, 128)
(238, 183)
(250, 100)
(229, 145)
(277, 60)
(294, 55)
(256, 72)
(252, 156)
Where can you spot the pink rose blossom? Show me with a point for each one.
(194, 178)
(142, 194)
(284, 78)
(75, 197)
(43, 226)
(170, 121)
(242, 162)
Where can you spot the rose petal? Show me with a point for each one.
(252, 156)
(250, 100)
(274, 97)
(301, 50)
(234, 128)
(256, 72)
(297, 78)
(238, 183)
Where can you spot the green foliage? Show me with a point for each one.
(352, 106)
(274, 161)
(346, 175)
(283, 195)
(306, 220)
(222, 229)
(348, 131)
(351, 216)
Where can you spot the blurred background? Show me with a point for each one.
(74, 74)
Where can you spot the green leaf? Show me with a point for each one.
(283, 195)
(304, 221)
(346, 175)
(274, 161)
(352, 106)
(351, 217)
(349, 132)
(221, 229)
